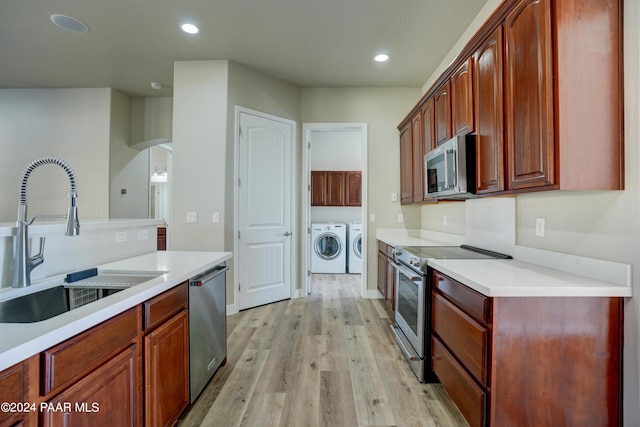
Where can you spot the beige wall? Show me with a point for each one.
(604, 225)
(381, 109)
(72, 124)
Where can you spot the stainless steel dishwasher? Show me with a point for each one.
(207, 327)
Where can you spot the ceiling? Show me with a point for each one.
(309, 43)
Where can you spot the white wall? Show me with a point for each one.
(603, 225)
(72, 124)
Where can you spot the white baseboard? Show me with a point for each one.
(232, 309)
(373, 294)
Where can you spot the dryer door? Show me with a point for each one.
(327, 246)
(357, 247)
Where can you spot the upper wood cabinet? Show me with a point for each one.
(462, 99)
(336, 188)
(489, 115)
(442, 100)
(428, 126)
(353, 188)
(406, 165)
(529, 95)
(417, 158)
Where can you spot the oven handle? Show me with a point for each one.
(410, 274)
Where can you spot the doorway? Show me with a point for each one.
(334, 147)
(265, 200)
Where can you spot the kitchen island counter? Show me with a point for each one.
(22, 340)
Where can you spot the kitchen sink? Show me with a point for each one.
(48, 303)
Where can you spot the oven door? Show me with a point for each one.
(410, 306)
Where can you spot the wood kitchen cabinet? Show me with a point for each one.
(387, 274)
(442, 105)
(336, 188)
(502, 359)
(162, 238)
(417, 156)
(99, 366)
(19, 384)
(489, 115)
(166, 356)
(406, 165)
(540, 85)
(428, 127)
(462, 99)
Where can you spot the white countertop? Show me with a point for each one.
(513, 278)
(22, 340)
(517, 278)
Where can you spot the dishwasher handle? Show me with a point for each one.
(201, 280)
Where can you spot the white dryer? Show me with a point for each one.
(328, 248)
(355, 247)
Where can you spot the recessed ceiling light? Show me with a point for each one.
(156, 85)
(190, 28)
(381, 57)
(69, 23)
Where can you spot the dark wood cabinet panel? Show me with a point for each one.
(318, 188)
(387, 274)
(417, 158)
(529, 95)
(161, 308)
(406, 165)
(428, 127)
(462, 99)
(19, 384)
(442, 105)
(71, 360)
(336, 188)
(382, 273)
(166, 384)
(353, 188)
(110, 394)
(489, 113)
(162, 239)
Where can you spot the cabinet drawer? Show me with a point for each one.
(476, 304)
(466, 338)
(76, 357)
(164, 306)
(465, 393)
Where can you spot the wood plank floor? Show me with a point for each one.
(326, 360)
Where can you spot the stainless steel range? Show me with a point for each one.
(413, 299)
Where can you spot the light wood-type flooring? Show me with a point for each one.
(326, 360)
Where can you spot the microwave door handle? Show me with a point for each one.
(446, 169)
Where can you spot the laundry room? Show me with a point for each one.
(336, 164)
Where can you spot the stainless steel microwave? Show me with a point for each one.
(449, 169)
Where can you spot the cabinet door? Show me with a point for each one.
(353, 191)
(442, 103)
(428, 127)
(390, 295)
(335, 188)
(462, 99)
(382, 273)
(318, 188)
(406, 165)
(166, 362)
(417, 156)
(529, 95)
(489, 115)
(106, 397)
(19, 384)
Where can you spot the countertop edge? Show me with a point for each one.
(40, 336)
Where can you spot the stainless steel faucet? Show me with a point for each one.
(23, 262)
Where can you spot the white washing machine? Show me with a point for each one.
(355, 247)
(328, 248)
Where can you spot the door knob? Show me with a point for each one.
(287, 233)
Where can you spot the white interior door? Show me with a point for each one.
(265, 180)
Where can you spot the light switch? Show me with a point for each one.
(394, 197)
(215, 218)
(372, 217)
(540, 225)
(192, 217)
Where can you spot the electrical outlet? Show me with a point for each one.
(121, 236)
(400, 218)
(143, 234)
(372, 217)
(394, 197)
(215, 218)
(540, 225)
(192, 217)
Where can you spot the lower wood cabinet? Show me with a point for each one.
(528, 361)
(166, 363)
(130, 370)
(387, 274)
(109, 396)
